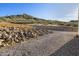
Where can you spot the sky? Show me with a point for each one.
(49, 11)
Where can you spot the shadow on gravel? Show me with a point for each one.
(69, 49)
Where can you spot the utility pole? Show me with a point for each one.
(78, 22)
(78, 25)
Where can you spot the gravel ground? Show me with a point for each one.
(71, 48)
(44, 46)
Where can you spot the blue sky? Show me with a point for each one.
(53, 11)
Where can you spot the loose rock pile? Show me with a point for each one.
(10, 35)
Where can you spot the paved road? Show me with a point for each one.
(71, 48)
(44, 46)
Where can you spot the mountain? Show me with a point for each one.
(28, 19)
(23, 18)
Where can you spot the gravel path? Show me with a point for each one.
(45, 45)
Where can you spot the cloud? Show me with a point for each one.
(73, 15)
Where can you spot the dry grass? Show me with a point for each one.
(21, 26)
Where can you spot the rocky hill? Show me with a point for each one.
(28, 19)
(23, 18)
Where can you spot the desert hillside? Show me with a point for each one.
(28, 19)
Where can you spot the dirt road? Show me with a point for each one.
(45, 45)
